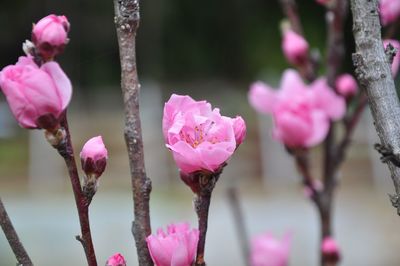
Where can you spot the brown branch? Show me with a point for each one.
(234, 202)
(19, 251)
(374, 74)
(82, 204)
(127, 17)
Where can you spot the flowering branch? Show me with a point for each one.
(65, 149)
(374, 74)
(127, 17)
(12, 238)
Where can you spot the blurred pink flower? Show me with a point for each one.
(266, 250)
(330, 249)
(37, 96)
(389, 11)
(346, 85)
(116, 260)
(295, 47)
(50, 35)
(396, 59)
(199, 137)
(94, 157)
(301, 113)
(176, 247)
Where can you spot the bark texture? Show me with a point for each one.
(127, 17)
(19, 251)
(374, 74)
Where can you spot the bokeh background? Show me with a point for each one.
(210, 50)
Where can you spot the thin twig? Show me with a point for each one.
(234, 202)
(373, 72)
(82, 204)
(127, 17)
(19, 251)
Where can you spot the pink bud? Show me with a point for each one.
(346, 85)
(199, 137)
(295, 47)
(389, 11)
(36, 96)
(116, 260)
(266, 250)
(239, 127)
(177, 246)
(396, 59)
(94, 157)
(50, 35)
(330, 249)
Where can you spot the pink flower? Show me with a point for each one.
(50, 35)
(37, 96)
(199, 137)
(330, 249)
(301, 113)
(396, 59)
(389, 11)
(346, 85)
(94, 156)
(176, 247)
(295, 47)
(266, 250)
(116, 260)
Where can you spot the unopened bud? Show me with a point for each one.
(116, 260)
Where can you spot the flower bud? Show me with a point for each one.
(50, 35)
(94, 157)
(295, 47)
(346, 85)
(330, 250)
(116, 260)
(37, 96)
(176, 246)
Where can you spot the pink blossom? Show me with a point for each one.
(389, 11)
(116, 260)
(330, 249)
(37, 96)
(396, 59)
(50, 35)
(266, 250)
(199, 137)
(94, 156)
(346, 85)
(301, 112)
(176, 247)
(295, 47)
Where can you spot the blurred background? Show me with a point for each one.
(210, 50)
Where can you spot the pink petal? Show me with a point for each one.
(320, 127)
(61, 81)
(262, 97)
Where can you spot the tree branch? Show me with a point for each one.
(374, 74)
(66, 150)
(19, 251)
(127, 17)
